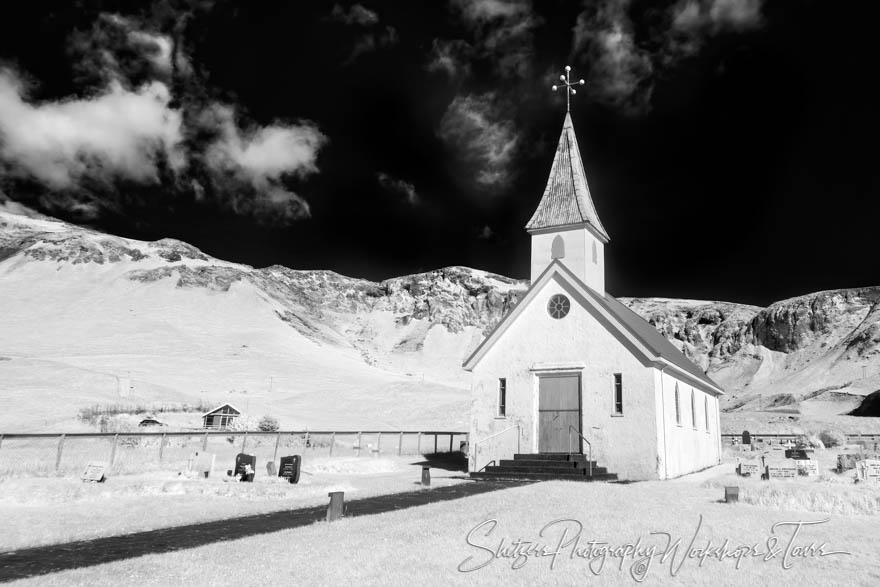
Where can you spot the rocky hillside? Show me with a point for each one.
(424, 325)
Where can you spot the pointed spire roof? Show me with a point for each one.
(567, 198)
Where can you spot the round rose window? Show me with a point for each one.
(558, 306)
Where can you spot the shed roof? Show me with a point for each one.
(566, 198)
(220, 407)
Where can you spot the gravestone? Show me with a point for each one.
(731, 494)
(807, 467)
(289, 468)
(747, 438)
(245, 466)
(749, 469)
(782, 471)
(203, 463)
(869, 470)
(270, 468)
(94, 472)
(798, 453)
(426, 475)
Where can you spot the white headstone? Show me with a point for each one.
(204, 463)
(749, 469)
(807, 467)
(782, 471)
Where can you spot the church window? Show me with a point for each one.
(618, 393)
(693, 410)
(502, 397)
(558, 306)
(595, 254)
(706, 410)
(557, 248)
(677, 407)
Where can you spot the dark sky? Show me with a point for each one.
(730, 145)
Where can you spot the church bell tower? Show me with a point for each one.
(565, 225)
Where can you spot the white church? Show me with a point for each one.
(572, 381)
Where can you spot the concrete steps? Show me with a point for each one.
(546, 467)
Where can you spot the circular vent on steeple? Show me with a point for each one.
(558, 306)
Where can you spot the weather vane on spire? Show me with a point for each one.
(569, 90)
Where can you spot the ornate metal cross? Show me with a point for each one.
(569, 90)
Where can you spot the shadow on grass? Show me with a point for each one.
(448, 461)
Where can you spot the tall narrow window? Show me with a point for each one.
(502, 397)
(693, 410)
(557, 248)
(677, 406)
(595, 254)
(706, 410)
(618, 393)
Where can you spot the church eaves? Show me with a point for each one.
(566, 198)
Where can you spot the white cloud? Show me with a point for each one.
(620, 71)
(399, 186)
(356, 15)
(450, 57)
(263, 157)
(472, 123)
(715, 16)
(118, 133)
(502, 31)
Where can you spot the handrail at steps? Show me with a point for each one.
(518, 435)
(589, 444)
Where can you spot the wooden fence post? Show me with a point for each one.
(419, 449)
(307, 441)
(435, 443)
(332, 442)
(359, 445)
(450, 442)
(277, 442)
(1, 441)
(60, 450)
(379, 443)
(244, 441)
(205, 443)
(113, 450)
(161, 447)
(400, 445)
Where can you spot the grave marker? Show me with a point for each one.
(869, 470)
(289, 468)
(748, 469)
(807, 467)
(782, 471)
(245, 465)
(94, 472)
(846, 462)
(270, 468)
(798, 453)
(747, 438)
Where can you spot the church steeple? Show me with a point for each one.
(565, 225)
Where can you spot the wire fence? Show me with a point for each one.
(132, 452)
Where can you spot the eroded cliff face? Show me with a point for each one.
(813, 341)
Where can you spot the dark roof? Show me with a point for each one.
(566, 198)
(655, 341)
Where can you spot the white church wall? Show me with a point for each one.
(685, 447)
(626, 444)
(579, 243)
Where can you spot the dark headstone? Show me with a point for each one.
(289, 468)
(747, 438)
(731, 494)
(245, 466)
(426, 475)
(334, 508)
(798, 454)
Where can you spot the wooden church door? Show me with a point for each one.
(559, 406)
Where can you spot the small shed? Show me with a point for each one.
(221, 418)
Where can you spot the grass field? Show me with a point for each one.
(433, 544)
(429, 544)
